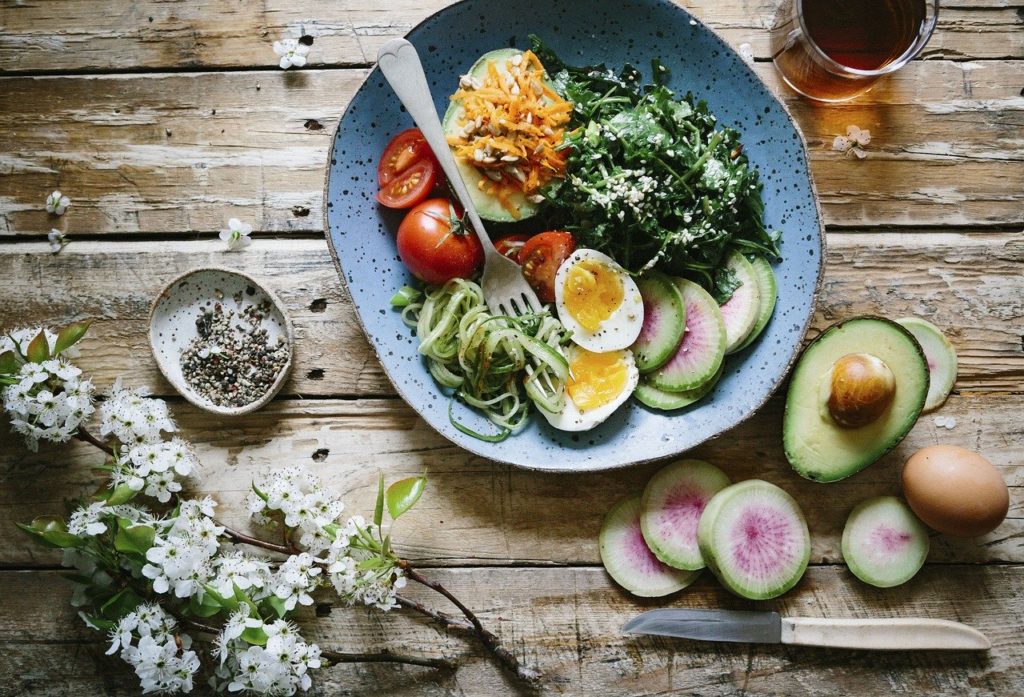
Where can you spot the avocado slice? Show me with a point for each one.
(816, 445)
(487, 206)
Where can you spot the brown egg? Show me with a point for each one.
(955, 491)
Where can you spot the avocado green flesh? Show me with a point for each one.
(817, 447)
(487, 206)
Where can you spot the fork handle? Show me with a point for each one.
(400, 63)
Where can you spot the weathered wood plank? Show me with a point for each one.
(477, 512)
(178, 153)
(970, 285)
(566, 623)
(157, 34)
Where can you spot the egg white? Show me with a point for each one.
(570, 418)
(622, 328)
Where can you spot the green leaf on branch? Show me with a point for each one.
(94, 622)
(259, 493)
(229, 603)
(277, 605)
(403, 495)
(120, 604)
(38, 348)
(122, 493)
(255, 636)
(207, 607)
(9, 363)
(378, 510)
(52, 531)
(70, 335)
(242, 597)
(133, 538)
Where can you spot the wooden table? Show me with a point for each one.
(161, 120)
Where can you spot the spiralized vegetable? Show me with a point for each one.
(489, 360)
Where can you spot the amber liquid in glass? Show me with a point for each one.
(858, 34)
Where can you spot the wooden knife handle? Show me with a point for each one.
(883, 634)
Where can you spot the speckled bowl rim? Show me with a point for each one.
(289, 331)
(630, 462)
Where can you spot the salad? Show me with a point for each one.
(635, 216)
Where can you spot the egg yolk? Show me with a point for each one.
(595, 379)
(592, 292)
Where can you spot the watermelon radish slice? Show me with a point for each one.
(650, 396)
(884, 543)
(769, 293)
(700, 354)
(664, 322)
(940, 356)
(671, 506)
(629, 561)
(740, 312)
(754, 538)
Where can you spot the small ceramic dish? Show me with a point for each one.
(172, 326)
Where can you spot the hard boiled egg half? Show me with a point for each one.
(598, 302)
(598, 384)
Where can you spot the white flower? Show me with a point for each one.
(159, 666)
(181, 558)
(57, 203)
(239, 569)
(20, 339)
(88, 521)
(291, 53)
(133, 418)
(853, 142)
(153, 468)
(377, 585)
(279, 668)
(57, 240)
(237, 234)
(302, 500)
(295, 578)
(49, 401)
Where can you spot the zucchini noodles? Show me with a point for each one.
(488, 360)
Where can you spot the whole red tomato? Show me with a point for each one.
(436, 245)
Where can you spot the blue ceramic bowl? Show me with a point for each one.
(362, 234)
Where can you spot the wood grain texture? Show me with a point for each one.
(969, 284)
(479, 512)
(181, 153)
(155, 34)
(566, 623)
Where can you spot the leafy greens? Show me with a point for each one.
(651, 179)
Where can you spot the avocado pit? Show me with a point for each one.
(861, 388)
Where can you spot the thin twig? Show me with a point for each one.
(489, 640)
(242, 538)
(447, 620)
(387, 657)
(84, 435)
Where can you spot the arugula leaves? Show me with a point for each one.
(651, 179)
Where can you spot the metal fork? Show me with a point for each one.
(505, 289)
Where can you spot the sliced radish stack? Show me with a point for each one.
(884, 543)
(754, 538)
(664, 321)
(671, 507)
(700, 354)
(628, 559)
(741, 311)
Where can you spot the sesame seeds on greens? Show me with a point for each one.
(651, 179)
(232, 362)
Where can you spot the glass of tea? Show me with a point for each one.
(833, 50)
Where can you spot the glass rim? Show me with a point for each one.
(836, 67)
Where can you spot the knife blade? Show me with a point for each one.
(884, 634)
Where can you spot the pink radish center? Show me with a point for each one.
(889, 539)
(651, 321)
(762, 542)
(640, 556)
(681, 513)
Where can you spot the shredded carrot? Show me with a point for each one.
(510, 128)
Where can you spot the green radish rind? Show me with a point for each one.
(488, 207)
(670, 510)
(650, 396)
(705, 325)
(884, 543)
(940, 356)
(628, 559)
(741, 311)
(663, 303)
(769, 290)
(720, 520)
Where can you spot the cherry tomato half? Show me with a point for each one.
(541, 256)
(411, 186)
(404, 150)
(435, 245)
(511, 245)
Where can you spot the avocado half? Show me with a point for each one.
(487, 206)
(816, 446)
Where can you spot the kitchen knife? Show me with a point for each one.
(770, 628)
